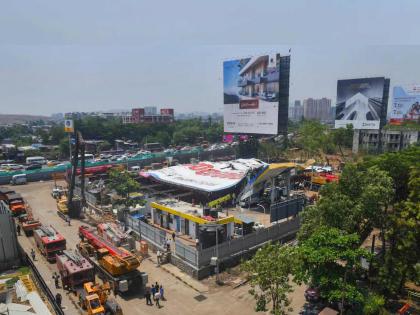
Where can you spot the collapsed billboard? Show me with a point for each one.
(361, 102)
(251, 94)
(405, 104)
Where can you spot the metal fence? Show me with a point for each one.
(90, 198)
(186, 252)
(250, 241)
(41, 282)
(151, 234)
(284, 209)
(202, 257)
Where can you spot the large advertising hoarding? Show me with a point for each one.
(251, 94)
(405, 104)
(360, 103)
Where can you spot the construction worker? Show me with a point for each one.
(33, 254)
(148, 297)
(58, 299)
(18, 229)
(56, 277)
(157, 298)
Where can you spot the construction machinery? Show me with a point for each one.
(74, 269)
(114, 234)
(112, 263)
(95, 300)
(28, 222)
(16, 203)
(49, 242)
(72, 206)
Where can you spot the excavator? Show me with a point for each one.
(114, 264)
(95, 300)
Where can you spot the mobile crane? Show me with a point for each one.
(113, 264)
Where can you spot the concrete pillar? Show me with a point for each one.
(356, 139)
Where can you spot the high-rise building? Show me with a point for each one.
(297, 111)
(317, 109)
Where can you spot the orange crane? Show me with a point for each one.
(113, 264)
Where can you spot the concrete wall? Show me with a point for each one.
(9, 254)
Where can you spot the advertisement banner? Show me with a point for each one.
(405, 104)
(251, 94)
(69, 126)
(360, 103)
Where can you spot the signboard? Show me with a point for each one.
(251, 94)
(405, 104)
(360, 103)
(69, 125)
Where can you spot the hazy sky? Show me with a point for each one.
(59, 56)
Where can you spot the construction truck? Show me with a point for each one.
(111, 232)
(28, 222)
(49, 242)
(16, 204)
(113, 264)
(74, 269)
(94, 298)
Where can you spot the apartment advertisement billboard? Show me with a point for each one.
(405, 104)
(360, 103)
(251, 94)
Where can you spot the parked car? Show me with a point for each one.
(33, 167)
(19, 179)
(52, 163)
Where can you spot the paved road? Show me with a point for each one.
(180, 297)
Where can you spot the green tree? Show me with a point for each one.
(343, 138)
(315, 139)
(374, 305)
(330, 260)
(268, 151)
(403, 238)
(269, 273)
(358, 202)
(123, 183)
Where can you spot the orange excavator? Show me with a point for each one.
(113, 264)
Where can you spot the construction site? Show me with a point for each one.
(193, 221)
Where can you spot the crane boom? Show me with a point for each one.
(98, 242)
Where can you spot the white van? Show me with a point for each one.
(19, 179)
(88, 157)
(36, 160)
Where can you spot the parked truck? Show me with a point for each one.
(74, 269)
(49, 242)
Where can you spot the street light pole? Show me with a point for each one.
(261, 207)
(217, 254)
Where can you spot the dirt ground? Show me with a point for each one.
(180, 297)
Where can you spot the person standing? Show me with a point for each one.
(148, 295)
(157, 298)
(157, 286)
(18, 229)
(58, 299)
(161, 293)
(33, 254)
(173, 236)
(56, 277)
(153, 291)
(158, 257)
